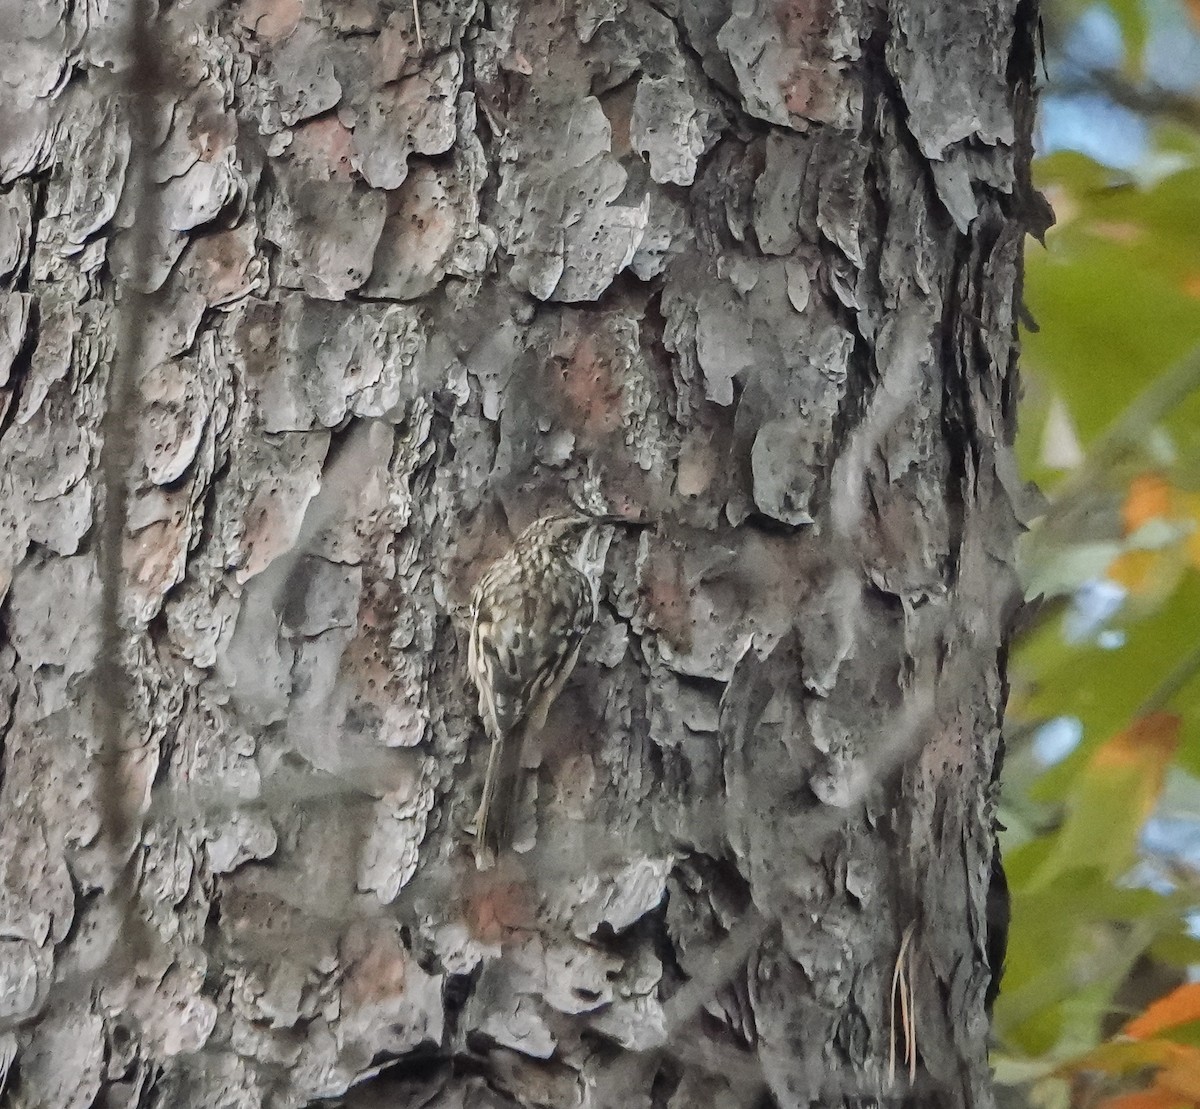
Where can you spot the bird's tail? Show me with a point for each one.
(494, 819)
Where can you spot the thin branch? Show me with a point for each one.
(1167, 391)
(1181, 674)
(1147, 99)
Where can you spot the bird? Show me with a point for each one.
(529, 614)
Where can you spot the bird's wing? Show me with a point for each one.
(562, 627)
(529, 657)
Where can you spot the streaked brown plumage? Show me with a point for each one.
(529, 614)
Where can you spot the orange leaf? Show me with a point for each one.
(1193, 7)
(1180, 1006)
(1149, 498)
(1147, 746)
(1134, 570)
(1182, 1077)
(1121, 1056)
(1188, 505)
(1145, 1099)
(1111, 799)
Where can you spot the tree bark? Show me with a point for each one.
(307, 308)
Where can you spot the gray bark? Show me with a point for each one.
(364, 286)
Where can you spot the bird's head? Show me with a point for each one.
(567, 531)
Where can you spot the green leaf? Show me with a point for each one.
(1186, 1034)
(1066, 959)
(1110, 800)
(1120, 278)
(1131, 18)
(1115, 325)
(1179, 948)
(1105, 688)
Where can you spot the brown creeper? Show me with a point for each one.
(529, 614)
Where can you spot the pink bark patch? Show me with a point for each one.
(810, 75)
(425, 217)
(221, 264)
(802, 22)
(377, 966)
(156, 556)
(496, 906)
(590, 392)
(667, 598)
(271, 19)
(322, 146)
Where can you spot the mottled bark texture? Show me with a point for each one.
(398, 277)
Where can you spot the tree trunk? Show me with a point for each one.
(360, 288)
